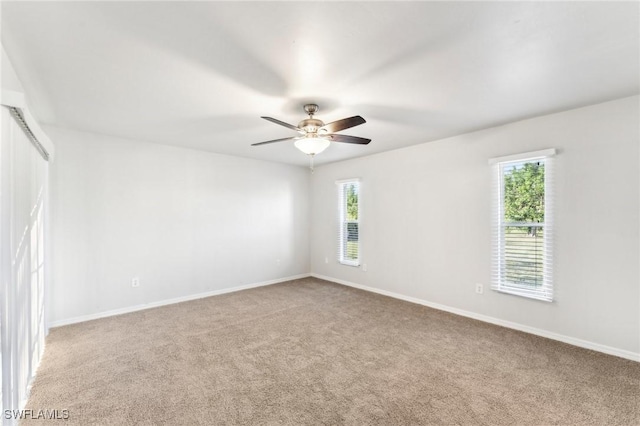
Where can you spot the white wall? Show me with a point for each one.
(425, 222)
(184, 221)
(9, 77)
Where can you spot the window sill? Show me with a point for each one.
(543, 297)
(355, 263)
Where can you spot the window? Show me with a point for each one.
(522, 257)
(349, 237)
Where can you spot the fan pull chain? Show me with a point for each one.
(311, 162)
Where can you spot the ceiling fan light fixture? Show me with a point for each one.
(312, 145)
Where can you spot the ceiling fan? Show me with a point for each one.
(317, 136)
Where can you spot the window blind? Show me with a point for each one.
(349, 219)
(522, 257)
(23, 195)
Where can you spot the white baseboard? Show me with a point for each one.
(135, 308)
(508, 324)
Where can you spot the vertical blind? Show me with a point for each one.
(23, 194)
(349, 218)
(523, 225)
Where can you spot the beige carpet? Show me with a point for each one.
(312, 352)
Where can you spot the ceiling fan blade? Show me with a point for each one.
(282, 123)
(275, 140)
(349, 139)
(343, 124)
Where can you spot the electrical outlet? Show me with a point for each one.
(135, 282)
(479, 288)
(326, 260)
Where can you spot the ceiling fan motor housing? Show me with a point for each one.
(310, 125)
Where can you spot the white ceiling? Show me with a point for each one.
(200, 74)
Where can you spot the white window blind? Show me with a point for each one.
(349, 217)
(523, 225)
(23, 195)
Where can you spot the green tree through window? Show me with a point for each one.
(524, 194)
(352, 203)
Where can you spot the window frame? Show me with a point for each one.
(545, 292)
(343, 222)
